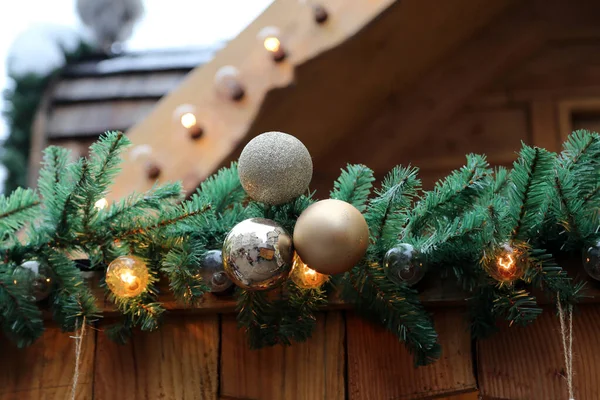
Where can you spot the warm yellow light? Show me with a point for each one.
(272, 44)
(306, 277)
(507, 262)
(127, 276)
(48, 280)
(188, 120)
(101, 204)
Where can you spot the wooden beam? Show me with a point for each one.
(227, 122)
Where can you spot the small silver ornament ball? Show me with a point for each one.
(275, 168)
(257, 254)
(402, 265)
(212, 272)
(591, 261)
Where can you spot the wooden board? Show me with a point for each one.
(380, 367)
(527, 363)
(45, 369)
(305, 371)
(177, 362)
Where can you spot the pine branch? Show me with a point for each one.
(547, 275)
(178, 218)
(354, 186)
(528, 191)
(17, 209)
(223, 189)
(459, 191)
(20, 317)
(181, 266)
(397, 307)
(386, 214)
(515, 305)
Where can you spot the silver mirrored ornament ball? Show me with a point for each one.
(258, 254)
(402, 265)
(591, 261)
(212, 273)
(275, 168)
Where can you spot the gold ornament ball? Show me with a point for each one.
(257, 254)
(127, 276)
(304, 276)
(331, 236)
(275, 168)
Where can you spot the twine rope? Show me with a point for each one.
(78, 341)
(566, 333)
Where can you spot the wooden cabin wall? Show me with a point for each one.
(516, 80)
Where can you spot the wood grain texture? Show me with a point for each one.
(527, 363)
(380, 367)
(148, 85)
(177, 362)
(45, 369)
(304, 371)
(92, 119)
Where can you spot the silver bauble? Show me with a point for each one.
(591, 261)
(257, 254)
(402, 265)
(212, 273)
(275, 168)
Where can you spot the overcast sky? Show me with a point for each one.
(166, 23)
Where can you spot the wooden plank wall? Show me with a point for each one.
(206, 357)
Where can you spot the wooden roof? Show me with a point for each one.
(92, 96)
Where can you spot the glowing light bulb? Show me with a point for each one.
(101, 204)
(227, 83)
(508, 264)
(304, 276)
(188, 120)
(271, 39)
(127, 276)
(272, 44)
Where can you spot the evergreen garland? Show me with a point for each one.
(546, 204)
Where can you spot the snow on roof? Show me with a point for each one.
(176, 59)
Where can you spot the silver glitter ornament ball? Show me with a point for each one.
(402, 265)
(275, 168)
(258, 254)
(591, 261)
(212, 272)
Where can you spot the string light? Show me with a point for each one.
(101, 204)
(127, 276)
(142, 154)
(227, 83)
(270, 37)
(304, 276)
(185, 115)
(508, 264)
(319, 12)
